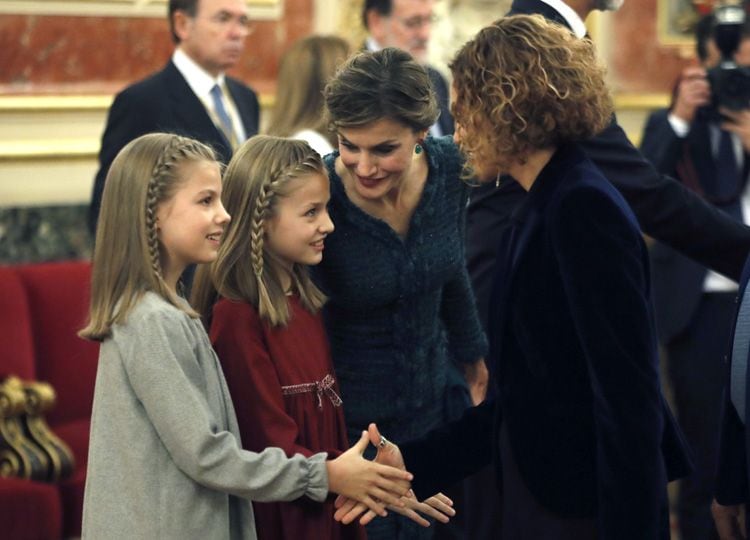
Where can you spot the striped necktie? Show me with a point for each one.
(728, 179)
(223, 115)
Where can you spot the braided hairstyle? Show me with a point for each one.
(259, 174)
(126, 263)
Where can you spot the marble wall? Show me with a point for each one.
(86, 57)
(638, 58)
(91, 54)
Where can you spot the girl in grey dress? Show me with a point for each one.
(165, 459)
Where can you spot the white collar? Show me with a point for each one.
(571, 17)
(199, 80)
(372, 45)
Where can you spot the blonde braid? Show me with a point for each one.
(260, 214)
(154, 194)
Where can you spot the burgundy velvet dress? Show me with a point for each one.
(285, 394)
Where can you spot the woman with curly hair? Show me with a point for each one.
(580, 429)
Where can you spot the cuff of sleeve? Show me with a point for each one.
(729, 500)
(679, 126)
(317, 477)
(470, 355)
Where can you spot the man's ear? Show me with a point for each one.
(181, 22)
(376, 26)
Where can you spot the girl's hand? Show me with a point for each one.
(438, 506)
(372, 484)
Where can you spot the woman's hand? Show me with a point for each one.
(477, 377)
(438, 507)
(728, 521)
(373, 485)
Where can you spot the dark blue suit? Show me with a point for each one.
(678, 281)
(574, 348)
(442, 94)
(733, 472)
(165, 102)
(692, 324)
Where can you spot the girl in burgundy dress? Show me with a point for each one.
(266, 327)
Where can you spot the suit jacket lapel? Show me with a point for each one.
(699, 141)
(247, 115)
(512, 248)
(190, 110)
(526, 219)
(531, 7)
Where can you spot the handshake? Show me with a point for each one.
(368, 488)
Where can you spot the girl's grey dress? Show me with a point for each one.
(165, 459)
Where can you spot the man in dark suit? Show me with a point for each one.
(695, 307)
(191, 96)
(733, 474)
(666, 210)
(406, 25)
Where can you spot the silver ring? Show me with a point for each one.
(383, 442)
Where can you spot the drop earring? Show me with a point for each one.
(418, 149)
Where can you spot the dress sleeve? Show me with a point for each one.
(253, 380)
(166, 376)
(453, 451)
(604, 276)
(458, 310)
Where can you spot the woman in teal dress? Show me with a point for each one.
(401, 317)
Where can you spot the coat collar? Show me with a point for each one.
(547, 183)
(532, 7)
(190, 110)
(523, 222)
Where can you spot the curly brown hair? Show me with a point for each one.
(524, 84)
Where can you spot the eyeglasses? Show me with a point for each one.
(225, 19)
(416, 22)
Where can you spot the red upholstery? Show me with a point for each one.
(29, 510)
(17, 346)
(38, 327)
(58, 296)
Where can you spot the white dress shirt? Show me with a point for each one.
(201, 82)
(571, 17)
(714, 281)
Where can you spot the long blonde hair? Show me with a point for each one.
(126, 261)
(245, 270)
(303, 73)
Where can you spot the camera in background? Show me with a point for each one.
(730, 83)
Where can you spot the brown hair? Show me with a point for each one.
(259, 174)
(189, 7)
(126, 262)
(303, 73)
(385, 84)
(523, 84)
